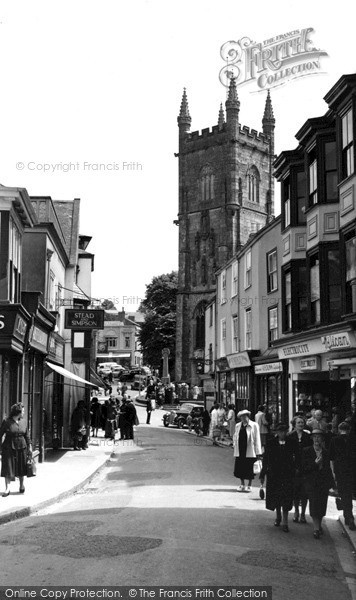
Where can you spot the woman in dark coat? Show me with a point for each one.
(15, 448)
(302, 440)
(110, 425)
(95, 416)
(279, 466)
(318, 479)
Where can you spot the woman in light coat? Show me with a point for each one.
(247, 448)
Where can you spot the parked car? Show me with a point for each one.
(105, 368)
(117, 370)
(178, 416)
(138, 382)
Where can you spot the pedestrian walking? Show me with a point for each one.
(78, 427)
(231, 420)
(110, 424)
(247, 448)
(148, 410)
(206, 422)
(342, 462)
(261, 418)
(95, 416)
(318, 479)
(128, 414)
(215, 431)
(279, 467)
(302, 440)
(15, 448)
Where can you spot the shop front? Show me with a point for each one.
(14, 323)
(53, 395)
(240, 380)
(322, 372)
(269, 385)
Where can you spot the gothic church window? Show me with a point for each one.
(253, 184)
(207, 183)
(199, 318)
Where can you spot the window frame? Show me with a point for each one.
(248, 268)
(269, 254)
(248, 329)
(272, 329)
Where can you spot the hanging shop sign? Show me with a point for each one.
(39, 339)
(241, 359)
(84, 319)
(274, 367)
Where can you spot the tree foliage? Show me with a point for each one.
(158, 330)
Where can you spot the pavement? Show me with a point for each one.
(66, 471)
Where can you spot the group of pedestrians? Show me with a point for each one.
(300, 466)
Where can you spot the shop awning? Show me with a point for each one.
(96, 380)
(69, 374)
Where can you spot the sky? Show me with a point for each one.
(88, 83)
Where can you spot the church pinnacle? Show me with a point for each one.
(232, 99)
(221, 119)
(184, 118)
(268, 121)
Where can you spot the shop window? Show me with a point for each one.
(223, 338)
(314, 266)
(301, 192)
(272, 271)
(248, 329)
(272, 324)
(347, 144)
(334, 285)
(313, 180)
(235, 334)
(330, 171)
(248, 269)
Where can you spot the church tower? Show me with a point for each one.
(225, 195)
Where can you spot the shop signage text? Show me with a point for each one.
(84, 319)
(239, 360)
(274, 367)
(310, 364)
(336, 340)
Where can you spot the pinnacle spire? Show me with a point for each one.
(232, 99)
(221, 119)
(268, 114)
(184, 108)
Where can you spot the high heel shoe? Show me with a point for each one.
(5, 494)
(22, 490)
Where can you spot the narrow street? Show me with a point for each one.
(166, 512)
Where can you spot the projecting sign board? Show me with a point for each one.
(84, 319)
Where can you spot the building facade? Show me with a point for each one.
(318, 273)
(225, 193)
(117, 342)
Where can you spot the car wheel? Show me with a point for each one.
(165, 423)
(180, 424)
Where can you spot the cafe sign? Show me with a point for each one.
(84, 319)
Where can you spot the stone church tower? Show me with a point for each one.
(225, 194)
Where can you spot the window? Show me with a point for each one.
(211, 316)
(207, 183)
(302, 295)
(234, 282)
(301, 187)
(350, 250)
(111, 342)
(330, 172)
(315, 288)
(272, 324)
(253, 182)
(52, 292)
(235, 334)
(288, 301)
(248, 269)
(14, 262)
(127, 341)
(334, 285)
(223, 337)
(211, 358)
(347, 145)
(313, 183)
(272, 271)
(223, 287)
(248, 329)
(286, 202)
(199, 317)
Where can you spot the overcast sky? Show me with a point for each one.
(89, 83)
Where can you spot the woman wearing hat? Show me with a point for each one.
(279, 466)
(247, 448)
(318, 479)
(302, 440)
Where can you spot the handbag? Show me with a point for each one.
(257, 467)
(339, 503)
(31, 469)
(262, 492)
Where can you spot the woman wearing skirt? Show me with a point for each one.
(247, 448)
(15, 448)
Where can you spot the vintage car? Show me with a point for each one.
(178, 416)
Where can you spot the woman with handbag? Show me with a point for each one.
(247, 447)
(15, 448)
(318, 479)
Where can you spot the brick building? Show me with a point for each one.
(225, 194)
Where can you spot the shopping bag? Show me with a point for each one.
(31, 467)
(257, 467)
